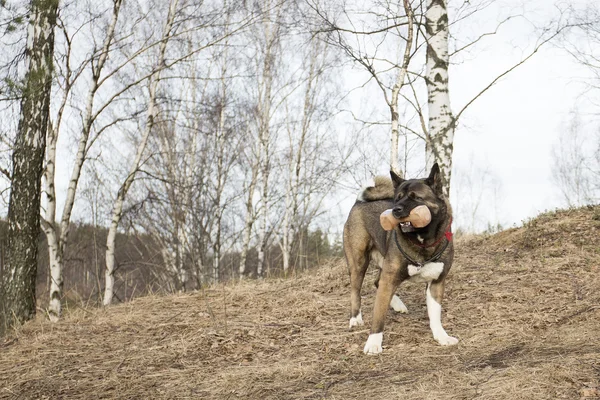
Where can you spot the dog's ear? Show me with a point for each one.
(396, 180)
(435, 180)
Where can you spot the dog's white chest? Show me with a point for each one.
(427, 273)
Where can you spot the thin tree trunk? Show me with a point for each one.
(120, 200)
(249, 220)
(287, 231)
(55, 254)
(181, 272)
(220, 149)
(394, 157)
(57, 238)
(56, 277)
(17, 294)
(262, 230)
(440, 137)
(265, 100)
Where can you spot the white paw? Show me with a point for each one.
(373, 345)
(447, 340)
(398, 305)
(356, 321)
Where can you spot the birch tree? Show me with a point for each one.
(364, 32)
(398, 27)
(440, 133)
(300, 134)
(253, 162)
(222, 147)
(153, 85)
(57, 234)
(270, 36)
(17, 296)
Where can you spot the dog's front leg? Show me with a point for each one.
(435, 293)
(388, 283)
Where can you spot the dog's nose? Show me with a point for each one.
(397, 211)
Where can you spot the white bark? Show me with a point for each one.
(296, 157)
(221, 177)
(154, 80)
(250, 218)
(287, 232)
(48, 225)
(394, 157)
(57, 235)
(265, 100)
(262, 229)
(440, 137)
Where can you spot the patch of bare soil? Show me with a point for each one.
(524, 303)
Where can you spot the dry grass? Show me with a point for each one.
(525, 304)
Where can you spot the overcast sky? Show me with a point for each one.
(509, 132)
(514, 126)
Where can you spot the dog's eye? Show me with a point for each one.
(419, 198)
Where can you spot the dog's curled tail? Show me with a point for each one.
(382, 189)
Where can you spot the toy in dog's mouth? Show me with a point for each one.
(419, 217)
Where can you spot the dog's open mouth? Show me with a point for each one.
(406, 227)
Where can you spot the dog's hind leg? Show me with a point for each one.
(358, 264)
(435, 293)
(396, 304)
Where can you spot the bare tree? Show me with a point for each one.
(252, 160)
(57, 234)
(303, 133)
(153, 85)
(365, 31)
(397, 27)
(17, 296)
(268, 58)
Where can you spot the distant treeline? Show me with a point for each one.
(141, 269)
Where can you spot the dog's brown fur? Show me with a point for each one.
(364, 238)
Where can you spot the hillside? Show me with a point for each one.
(524, 303)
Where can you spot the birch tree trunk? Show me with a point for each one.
(296, 158)
(394, 157)
(221, 178)
(440, 136)
(287, 232)
(117, 211)
(17, 294)
(55, 255)
(264, 113)
(57, 236)
(249, 221)
(262, 230)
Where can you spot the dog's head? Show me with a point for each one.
(411, 193)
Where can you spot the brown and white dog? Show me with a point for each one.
(405, 253)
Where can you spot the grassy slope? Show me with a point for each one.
(525, 304)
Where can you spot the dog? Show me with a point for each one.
(405, 253)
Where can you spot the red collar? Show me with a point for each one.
(447, 235)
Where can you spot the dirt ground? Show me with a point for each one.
(524, 303)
